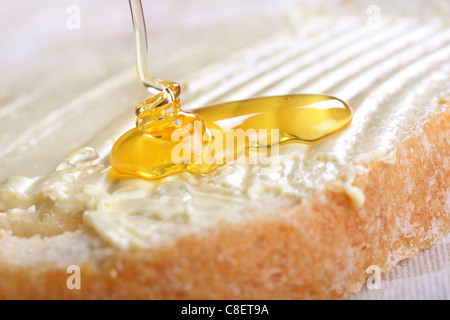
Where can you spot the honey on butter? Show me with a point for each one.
(221, 133)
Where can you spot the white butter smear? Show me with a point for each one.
(392, 76)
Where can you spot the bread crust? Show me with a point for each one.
(317, 249)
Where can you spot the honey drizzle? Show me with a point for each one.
(153, 84)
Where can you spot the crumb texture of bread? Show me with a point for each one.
(316, 249)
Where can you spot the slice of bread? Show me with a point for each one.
(318, 248)
(307, 227)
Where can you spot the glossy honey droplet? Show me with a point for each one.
(306, 118)
(167, 140)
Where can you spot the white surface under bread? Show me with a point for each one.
(68, 89)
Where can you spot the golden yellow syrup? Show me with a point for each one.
(167, 140)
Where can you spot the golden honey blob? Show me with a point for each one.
(168, 140)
